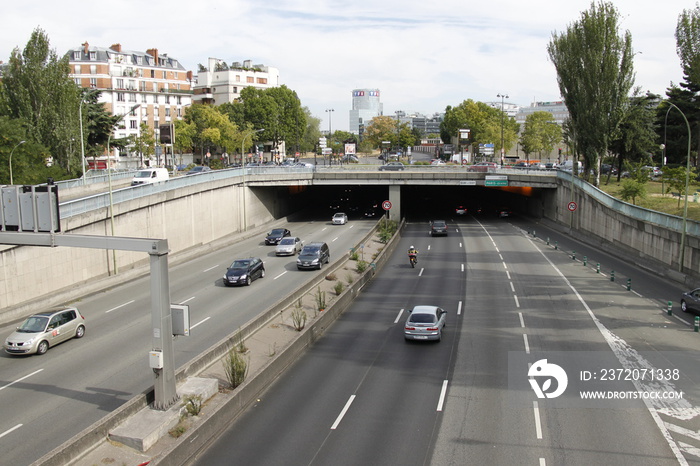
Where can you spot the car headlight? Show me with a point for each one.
(242, 277)
(315, 261)
(28, 342)
(225, 277)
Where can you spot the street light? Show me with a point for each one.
(82, 139)
(330, 139)
(11, 152)
(687, 181)
(502, 96)
(109, 178)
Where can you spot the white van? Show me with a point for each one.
(150, 175)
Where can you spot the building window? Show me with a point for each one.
(133, 124)
(177, 75)
(77, 81)
(179, 100)
(120, 84)
(139, 60)
(167, 99)
(165, 75)
(238, 78)
(235, 90)
(77, 69)
(132, 97)
(120, 97)
(144, 98)
(93, 83)
(250, 79)
(132, 85)
(153, 73)
(76, 55)
(93, 69)
(262, 80)
(167, 112)
(93, 55)
(179, 112)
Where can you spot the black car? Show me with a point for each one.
(276, 235)
(690, 300)
(313, 256)
(438, 227)
(244, 271)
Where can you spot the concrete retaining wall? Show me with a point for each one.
(191, 219)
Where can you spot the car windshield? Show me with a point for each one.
(339, 215)
(240, 264)
(310, 250)
(143, 175)
(277, 232)
(422, 318)
(34, 324)
(287, 242)
(439, 223)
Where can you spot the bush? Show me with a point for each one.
(298, 319)
(354, 256)
(235, 368)
(361, 266)
(338, 288)
(193, 404)
(387, 230)
(320, 299)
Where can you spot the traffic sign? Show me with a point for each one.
(386, 205)
(572, 206)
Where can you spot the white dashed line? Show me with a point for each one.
(119, 307)
(342, 413)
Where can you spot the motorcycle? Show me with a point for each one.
(413, 258)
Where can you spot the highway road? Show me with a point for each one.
(48, 399)
(362, 395)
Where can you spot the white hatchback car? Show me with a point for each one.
(425, 323)
(340, 218)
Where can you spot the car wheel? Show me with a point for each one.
(684, 306)
(80, 332)
(42, 348)
(248, 281)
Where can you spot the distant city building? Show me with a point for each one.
(220, 83)
(510, 109)
(557, 109)
(365, 106)
(158, 85)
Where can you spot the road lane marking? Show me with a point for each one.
(428, 247)
(120, 306)
(10, 430)
(200, 322)
(505, 266)
(187, 300)
(334, 239)
(210, 268)
(398, 316)
(527, 345)
(459, 308)
(508, 274)
(517, 303)
(342, 413)
(460, 244)
(462, 267)
(512, 287)
(443, 392)
(522, 321)
(278, 276)
(20, 379)
(543, 462)
(538, 424)
(421, 272)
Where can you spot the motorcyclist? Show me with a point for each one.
(413, 252)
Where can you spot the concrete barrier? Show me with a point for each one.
(95, 434)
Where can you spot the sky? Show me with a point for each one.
(422, 56)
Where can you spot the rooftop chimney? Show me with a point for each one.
(154, 54)
(116, 47)
(86, 47)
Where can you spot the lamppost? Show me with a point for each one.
(109, 178)
(11, 152)
(503, 151)
(330, 139)
(82, 139)
(687, 181)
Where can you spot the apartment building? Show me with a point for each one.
(219, 82)
(143, 87)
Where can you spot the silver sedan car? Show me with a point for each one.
(289, 246)
(425, 323)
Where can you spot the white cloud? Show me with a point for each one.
(422, 56)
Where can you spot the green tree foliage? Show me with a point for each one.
(312, 132)
(36, 88)
(98, 123)
(144, 144)
(212, 128)
(594, 67)
(632, 190)
(540, 133)
(672, 126)
(483, 121)
(675, 178)
(635, 138)
(28, 158)
(381, 128)
(688, 42)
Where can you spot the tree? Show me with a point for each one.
(595, 74)
(312, 132)
(635, 138)
(381, 128)
(28, 158)
(144, 144)
(36, 87)
(483, 122)
(212, 128)
(675, 180)
(688, 43)
(540, 133)
(632, 190)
